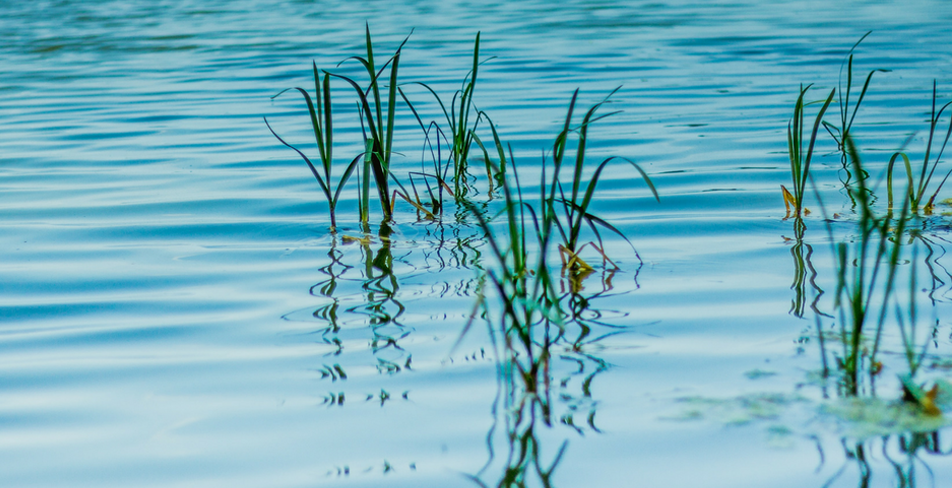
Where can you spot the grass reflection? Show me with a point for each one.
(878, 267)
(376, 299)
(906, 455)
(804, 273)
(539, 321)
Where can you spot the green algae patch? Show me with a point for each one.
(740, 410)
(862, 418)
(756, 374)
(919, 411)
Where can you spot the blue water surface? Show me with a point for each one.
(167, 273)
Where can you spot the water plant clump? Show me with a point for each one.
(377, 132)
(866, 274)
(918, 182)
(379, 142)
(799, 159)
(875, 319)
(570, 210)
(526, 316)
(566, 201)
(323, 127)
(461, 126)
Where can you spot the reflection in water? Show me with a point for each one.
(334, 271)
(530, 381)
(453, 246)
(939, 275)
(803, 272)
(377, 301)
(362, 290)
(382, 307)
(911, 441)
(877, 269)
(905, 454)
(525, 403)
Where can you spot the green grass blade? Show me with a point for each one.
(310, 165)
(348, 171)
(391, 108)
(316, 126)
(590, 191)
(862, 95)
(328, 122)
(806, 164)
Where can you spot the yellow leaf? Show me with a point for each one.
(346, 239)
(928, 402)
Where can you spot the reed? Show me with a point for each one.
(570, 211)
(565, 209)
(918, 183)
(461, 125)
(323, 127)
(378, 135)
(800, 160)
(847, 113)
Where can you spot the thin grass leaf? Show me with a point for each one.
(310, 165)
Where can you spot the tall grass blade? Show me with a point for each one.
(800, 163)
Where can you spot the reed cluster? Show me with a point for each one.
(870, 263)
(451, 145)
(527, 317)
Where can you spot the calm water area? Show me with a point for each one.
(174, 311)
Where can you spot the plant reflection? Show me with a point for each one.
(377, 300)
(905, 453)
(361, 287)
(876, 328)
(803, 272)
(535, 390)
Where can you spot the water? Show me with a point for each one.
(167, 273)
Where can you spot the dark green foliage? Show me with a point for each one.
(918, 184)
(800, 161)
(322, 124)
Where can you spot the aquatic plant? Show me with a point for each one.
(847, 113)
(918, 183)
(529, 322)
(323, 127)
(461, 132)
(800, 161)
(569, 211)
(521, 275)
(379, 143)
(527, 317)
(866, 276)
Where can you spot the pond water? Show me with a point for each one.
(175, 312)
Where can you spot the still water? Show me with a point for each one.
(175, 312)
